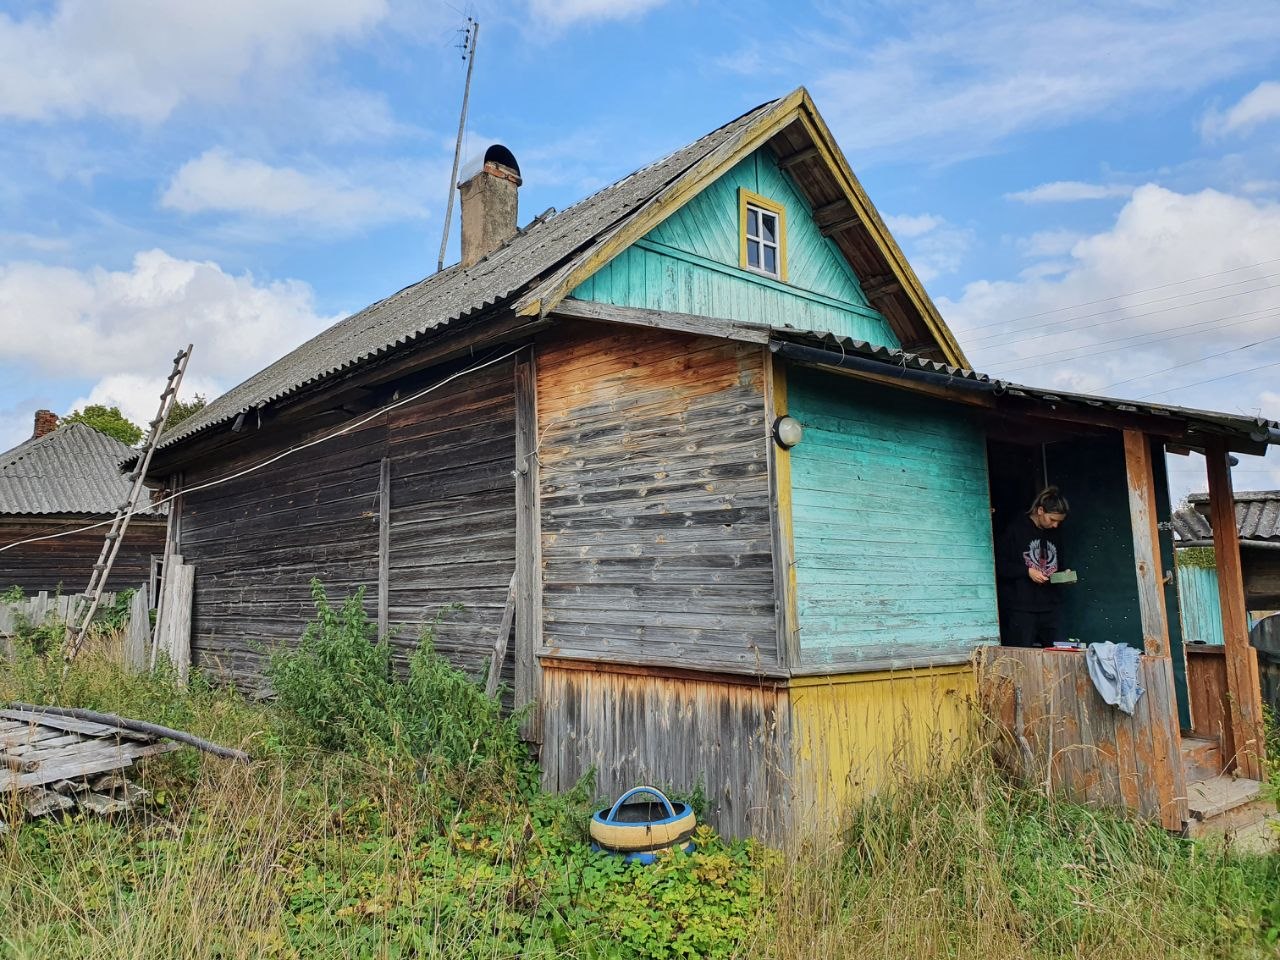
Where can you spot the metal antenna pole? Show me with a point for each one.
(473, 31)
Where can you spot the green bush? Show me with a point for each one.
(342, 686)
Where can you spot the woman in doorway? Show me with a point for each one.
(1028, 553)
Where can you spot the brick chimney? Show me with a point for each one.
(489, 203)
(46, 422)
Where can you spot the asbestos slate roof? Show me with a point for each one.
(1204, 422)
(454, 293)
(73, 470)
(1257, 517)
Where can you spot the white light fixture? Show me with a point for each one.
(788, 432)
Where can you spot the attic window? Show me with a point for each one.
(762, 230)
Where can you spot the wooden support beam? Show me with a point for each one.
(500, 642)
(384, 548)
(1243, 687)
(528, 607)
(781, 516)
(840, 225)
(800, 156)
(880, 285)
(572, 309)
(830, 212)
(1146, 543)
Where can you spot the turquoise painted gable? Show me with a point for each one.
(892, 524)
(689, 264)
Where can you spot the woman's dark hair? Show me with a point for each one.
(1051, 501)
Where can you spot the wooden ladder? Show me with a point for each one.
(115, 536)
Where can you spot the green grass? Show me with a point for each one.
(392, 843)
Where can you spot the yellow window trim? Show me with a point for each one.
(745, 197)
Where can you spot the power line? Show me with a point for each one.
(1188, 363)
(1120, 296)
(1060, 324)
(1200, 383)
(285, 453)
(1040, 360)
(1136, 316)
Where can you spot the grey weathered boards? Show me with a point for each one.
(655, 499)
(451, 538)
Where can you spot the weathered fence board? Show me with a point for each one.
(1074, 743)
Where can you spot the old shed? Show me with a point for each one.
(52, 486)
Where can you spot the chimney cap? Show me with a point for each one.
(494, 153)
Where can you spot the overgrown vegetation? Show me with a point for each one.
(1202, 557)
(393, 813)
(185, 409)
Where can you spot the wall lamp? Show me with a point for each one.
(788, 432)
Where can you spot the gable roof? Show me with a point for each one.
(74, 469)
(1257, 518)
(536, 269)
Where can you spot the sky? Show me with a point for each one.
(1089, 191)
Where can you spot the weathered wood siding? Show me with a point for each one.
(655, 499)
(892, 535)
(1201, 615)
(674, 731)
(858, 734)
(1078, 745)
(453, 516)
(690, 264)
(256, 542)
(67, 563)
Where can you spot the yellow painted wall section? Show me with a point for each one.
(857, 734)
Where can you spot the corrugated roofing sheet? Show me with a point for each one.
(1257, 517)
(74, 469)
(1208, 421)
(454, 294)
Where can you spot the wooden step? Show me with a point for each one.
(1225, 805)
(1201, 758)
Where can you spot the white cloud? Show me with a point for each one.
(952, 80)
(1173, 297)
(1069, 191)
(1260, 105)
(122, 328)
(906, 225)
(934, 246)
(565, 12)
(1050, 243)
(217, 181)
(142, 60)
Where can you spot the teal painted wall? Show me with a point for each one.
(892, 523)
(689, 264)
(1200, 607)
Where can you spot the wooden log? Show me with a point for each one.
(384, 546)
(529, 572)
(1243, 684)
(1146, 543)
(139, 632)
(138, 726)
(500, 641)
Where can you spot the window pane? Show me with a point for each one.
(753, 228)
(753, 253)
(769, 223)
(771, 259)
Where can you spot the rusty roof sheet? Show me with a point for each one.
(454, 293)
(74, 469)
(1257, 517)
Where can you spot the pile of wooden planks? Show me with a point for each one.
(54, 762)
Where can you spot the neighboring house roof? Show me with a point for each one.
(1257, 518)
(74, 469)
(534, 271)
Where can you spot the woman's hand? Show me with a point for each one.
(1036, 576)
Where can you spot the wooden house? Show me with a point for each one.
(60, 480)
(709, 433)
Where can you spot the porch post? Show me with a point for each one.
(1146, 543)
(1244, 692)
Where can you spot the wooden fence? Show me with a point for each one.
(141, 644)
(1060, 733)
